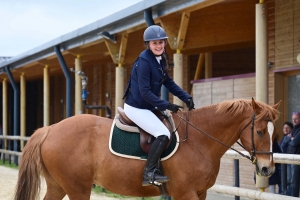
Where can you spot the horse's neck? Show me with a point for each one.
(224, 128)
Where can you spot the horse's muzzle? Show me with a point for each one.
(265, 171)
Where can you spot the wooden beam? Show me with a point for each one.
(123, 47)
(199, 68)
(183, 29)
(113, 50)
(200, 65)
(136, 41)
(171, 28)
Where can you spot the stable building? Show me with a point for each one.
(218, 50)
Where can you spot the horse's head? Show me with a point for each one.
(258, 136)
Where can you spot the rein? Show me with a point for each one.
(252, 157)
(186, 128)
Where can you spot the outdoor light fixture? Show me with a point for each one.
(108, 36)
(270, 65)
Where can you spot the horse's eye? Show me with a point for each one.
(259, 133)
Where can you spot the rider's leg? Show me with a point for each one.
(149, 122)
(155, 152)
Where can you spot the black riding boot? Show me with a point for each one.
(155, 152)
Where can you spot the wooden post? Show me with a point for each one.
(178, 74)
(208, 65)
(261, 53)
(78, 86)
(261, 68)
(119, 86)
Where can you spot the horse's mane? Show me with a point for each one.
(235, 107)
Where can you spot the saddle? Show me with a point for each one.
(146, 139)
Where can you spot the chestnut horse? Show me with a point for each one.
(74, 153)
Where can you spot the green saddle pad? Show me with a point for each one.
(127, 144)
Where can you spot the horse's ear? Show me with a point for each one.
(277, 105)
(255, 106)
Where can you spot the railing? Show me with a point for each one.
(252, 194)
(278, 157)
(247, 193)
(9, 152)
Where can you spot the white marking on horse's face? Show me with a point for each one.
(271, 130)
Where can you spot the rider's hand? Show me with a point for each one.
(173, 107)
(190, 103)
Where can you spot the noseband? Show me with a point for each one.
(252, 157)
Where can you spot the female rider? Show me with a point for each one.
(149, 73)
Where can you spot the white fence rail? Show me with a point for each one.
(278, 157)
(252, 194)
(14, 153)
(14, 137)
(9, 137)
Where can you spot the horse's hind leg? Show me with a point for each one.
(78, 189)
(54, 190)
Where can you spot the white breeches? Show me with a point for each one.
(147, 120)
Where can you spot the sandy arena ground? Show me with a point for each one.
(8, 180)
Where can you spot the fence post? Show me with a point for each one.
(284, 178)
(236, 176)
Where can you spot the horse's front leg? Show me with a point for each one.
(202, 196)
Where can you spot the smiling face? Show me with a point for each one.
(157, 46)
(286, 129)
(296, 119)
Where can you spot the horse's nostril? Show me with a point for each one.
(265, 171)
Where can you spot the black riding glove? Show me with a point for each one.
(190, 103)
(173, 107)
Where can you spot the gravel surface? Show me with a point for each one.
(8, 180)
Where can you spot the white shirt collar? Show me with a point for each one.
(158, 58)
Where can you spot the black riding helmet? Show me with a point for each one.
(154, 32)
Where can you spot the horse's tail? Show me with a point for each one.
(29, 180)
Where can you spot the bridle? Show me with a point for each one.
(252, 157)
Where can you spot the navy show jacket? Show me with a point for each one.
(146, 79)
